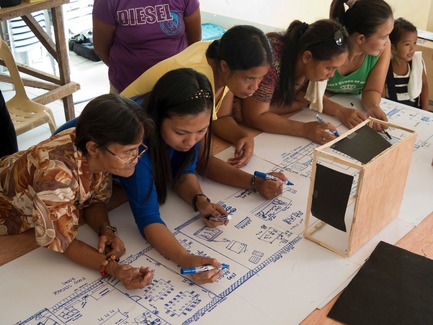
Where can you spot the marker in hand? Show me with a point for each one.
(220, 218)
(387, 134)
(200, 269)
(270, 177)
(321, 120)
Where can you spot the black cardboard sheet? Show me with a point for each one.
(394, 286)
(330, 196)
(363, 145)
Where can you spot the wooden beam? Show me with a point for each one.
(30, 83)
(41, 34)
(35, 73)
(58, 93)
(26, 8)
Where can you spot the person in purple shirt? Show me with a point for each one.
(130, 36)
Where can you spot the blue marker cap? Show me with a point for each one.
(260, 174)
(270, 177)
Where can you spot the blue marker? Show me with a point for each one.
(321, 120)
(199, 269)
(270, 177)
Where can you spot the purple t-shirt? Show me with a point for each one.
(146, 32)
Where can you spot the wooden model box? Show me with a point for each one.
(357, 185)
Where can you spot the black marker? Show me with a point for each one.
(387, 134)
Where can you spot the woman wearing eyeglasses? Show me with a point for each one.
(304, 57)
(369, 23)
(181, 106)
(49, 186)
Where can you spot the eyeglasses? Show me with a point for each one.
(129, 160)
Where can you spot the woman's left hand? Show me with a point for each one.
(379, 114)
(351, 117)
(243, 152)
(213, 214)
(110, 244)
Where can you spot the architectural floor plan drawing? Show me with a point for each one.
(275, 276)
(254, 239)
(249, 244)
(418, 120)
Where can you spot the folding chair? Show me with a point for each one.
(25, 113)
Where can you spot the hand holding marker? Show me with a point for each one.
(220, 218)
(321, 120)
(271, 177)
(200, 269)
(384, 131)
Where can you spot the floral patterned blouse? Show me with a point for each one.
(45, 187)
(269, 88)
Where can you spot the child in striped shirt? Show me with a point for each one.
(406, 81)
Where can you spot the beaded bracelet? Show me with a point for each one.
(111, 258)
(253, 184)
(194, 200)
(104, 226)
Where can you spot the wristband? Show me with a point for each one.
(195, 198)
(103, 226)
(253, 184)
(111, 258)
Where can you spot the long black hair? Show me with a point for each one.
(109, 119)
(324, 39)
(401, 26)
(179, 92)
(363, 17)
(243, 47)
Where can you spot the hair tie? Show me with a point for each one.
(303, 28)
(200, 94)
(350, 3)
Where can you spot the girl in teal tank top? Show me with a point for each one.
(369, 23)
(354, 82)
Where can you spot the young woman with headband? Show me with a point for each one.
(180, 106)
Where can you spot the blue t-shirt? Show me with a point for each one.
(138, 185)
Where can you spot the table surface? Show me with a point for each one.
(419, 240)
(25, 8)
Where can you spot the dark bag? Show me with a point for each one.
(7, 130)
(82, 45)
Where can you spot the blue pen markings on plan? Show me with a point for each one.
(321, 120)
(200, 269)
(271, 177)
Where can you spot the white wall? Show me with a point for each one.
(418, 12)
(277, 14)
